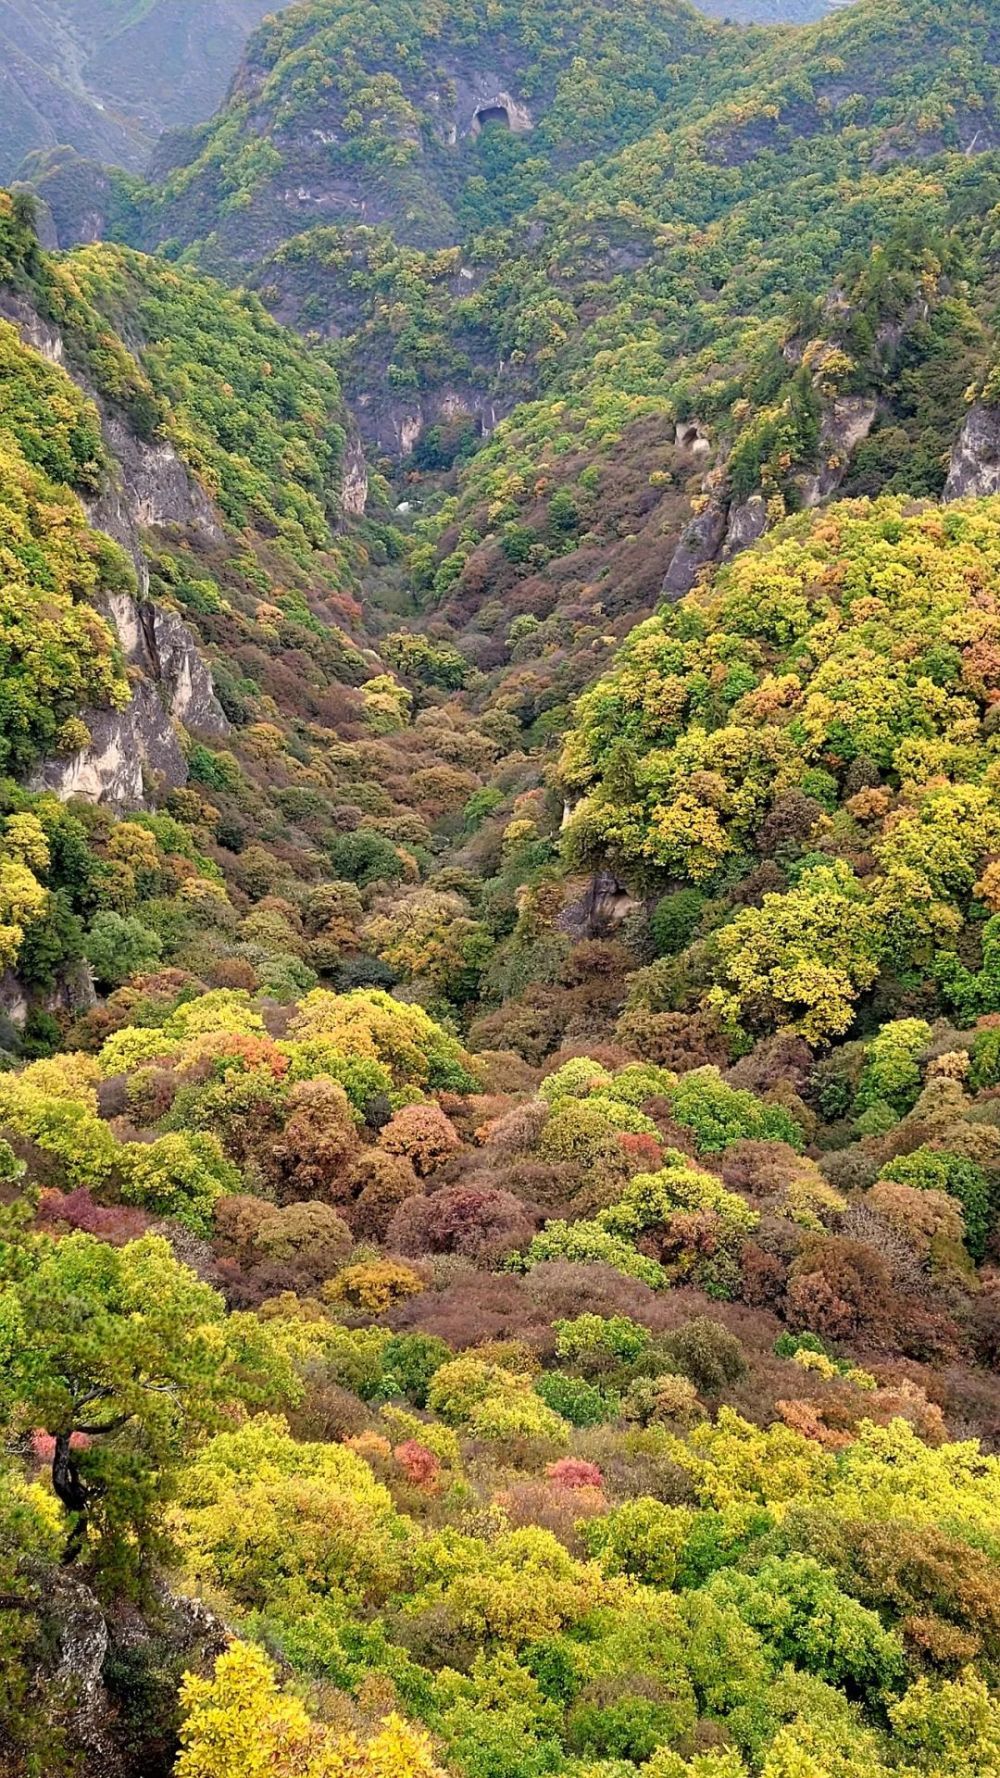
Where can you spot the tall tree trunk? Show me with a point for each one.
(72, 1491)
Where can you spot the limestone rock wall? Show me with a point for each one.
(136, 752)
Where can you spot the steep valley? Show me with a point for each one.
(500, 892)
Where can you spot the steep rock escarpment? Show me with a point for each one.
(723, 527)
(135, 750)
(975, 461)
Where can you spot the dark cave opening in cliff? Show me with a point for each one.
(492, 115)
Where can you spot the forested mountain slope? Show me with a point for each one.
(500, 910)
(107, 77)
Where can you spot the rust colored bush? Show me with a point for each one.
(312, 1156)
(548, 1187)
(234, 972)
(594, 958)
(559, 1289)
(635, 1467)
(236, 1220)
(983, 1321)
(327, 1413)
(149, 1095)
(381, 1182)
(483, 1224)
(507, 1072)
(763, 1276)
(420, 1466)
(850, 1170)
(791, 817)
(422, 1135)
(530, 1026)
(929, 1221)
(841, 1289)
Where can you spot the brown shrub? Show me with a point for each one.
(423, 1135)
(840, 1289)
(473, 1308)
(677, 1040)
(313, 1155)
(381, 1183)
(484, 1224)
(760, 1169)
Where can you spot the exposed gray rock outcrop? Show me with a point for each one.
(84, 1646)
(36, 332)
(746, 523)
(131, 752)
(152, 490)
(692, 436)
(73, 994)
(975, 460)
(477, 98)
(136, 749)
(723, 529)
(354, 487)
(160, 643)
(846, 423)
(396, 427)
(600, 909)
(700, 542)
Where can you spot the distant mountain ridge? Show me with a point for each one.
(106, 77)
(772, 12)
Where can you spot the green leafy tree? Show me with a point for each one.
(117, 947)
(125, 1359)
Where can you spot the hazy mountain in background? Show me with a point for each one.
(108, 76)
(770, 12)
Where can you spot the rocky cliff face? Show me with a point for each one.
(111, 1675)
(74, 993)
(136, 753)
(846, 423)
(151, 490)
(975, 460)
(133, 756)
(315, 183)
(721, 528)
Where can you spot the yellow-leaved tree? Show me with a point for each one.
(239, 1724)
